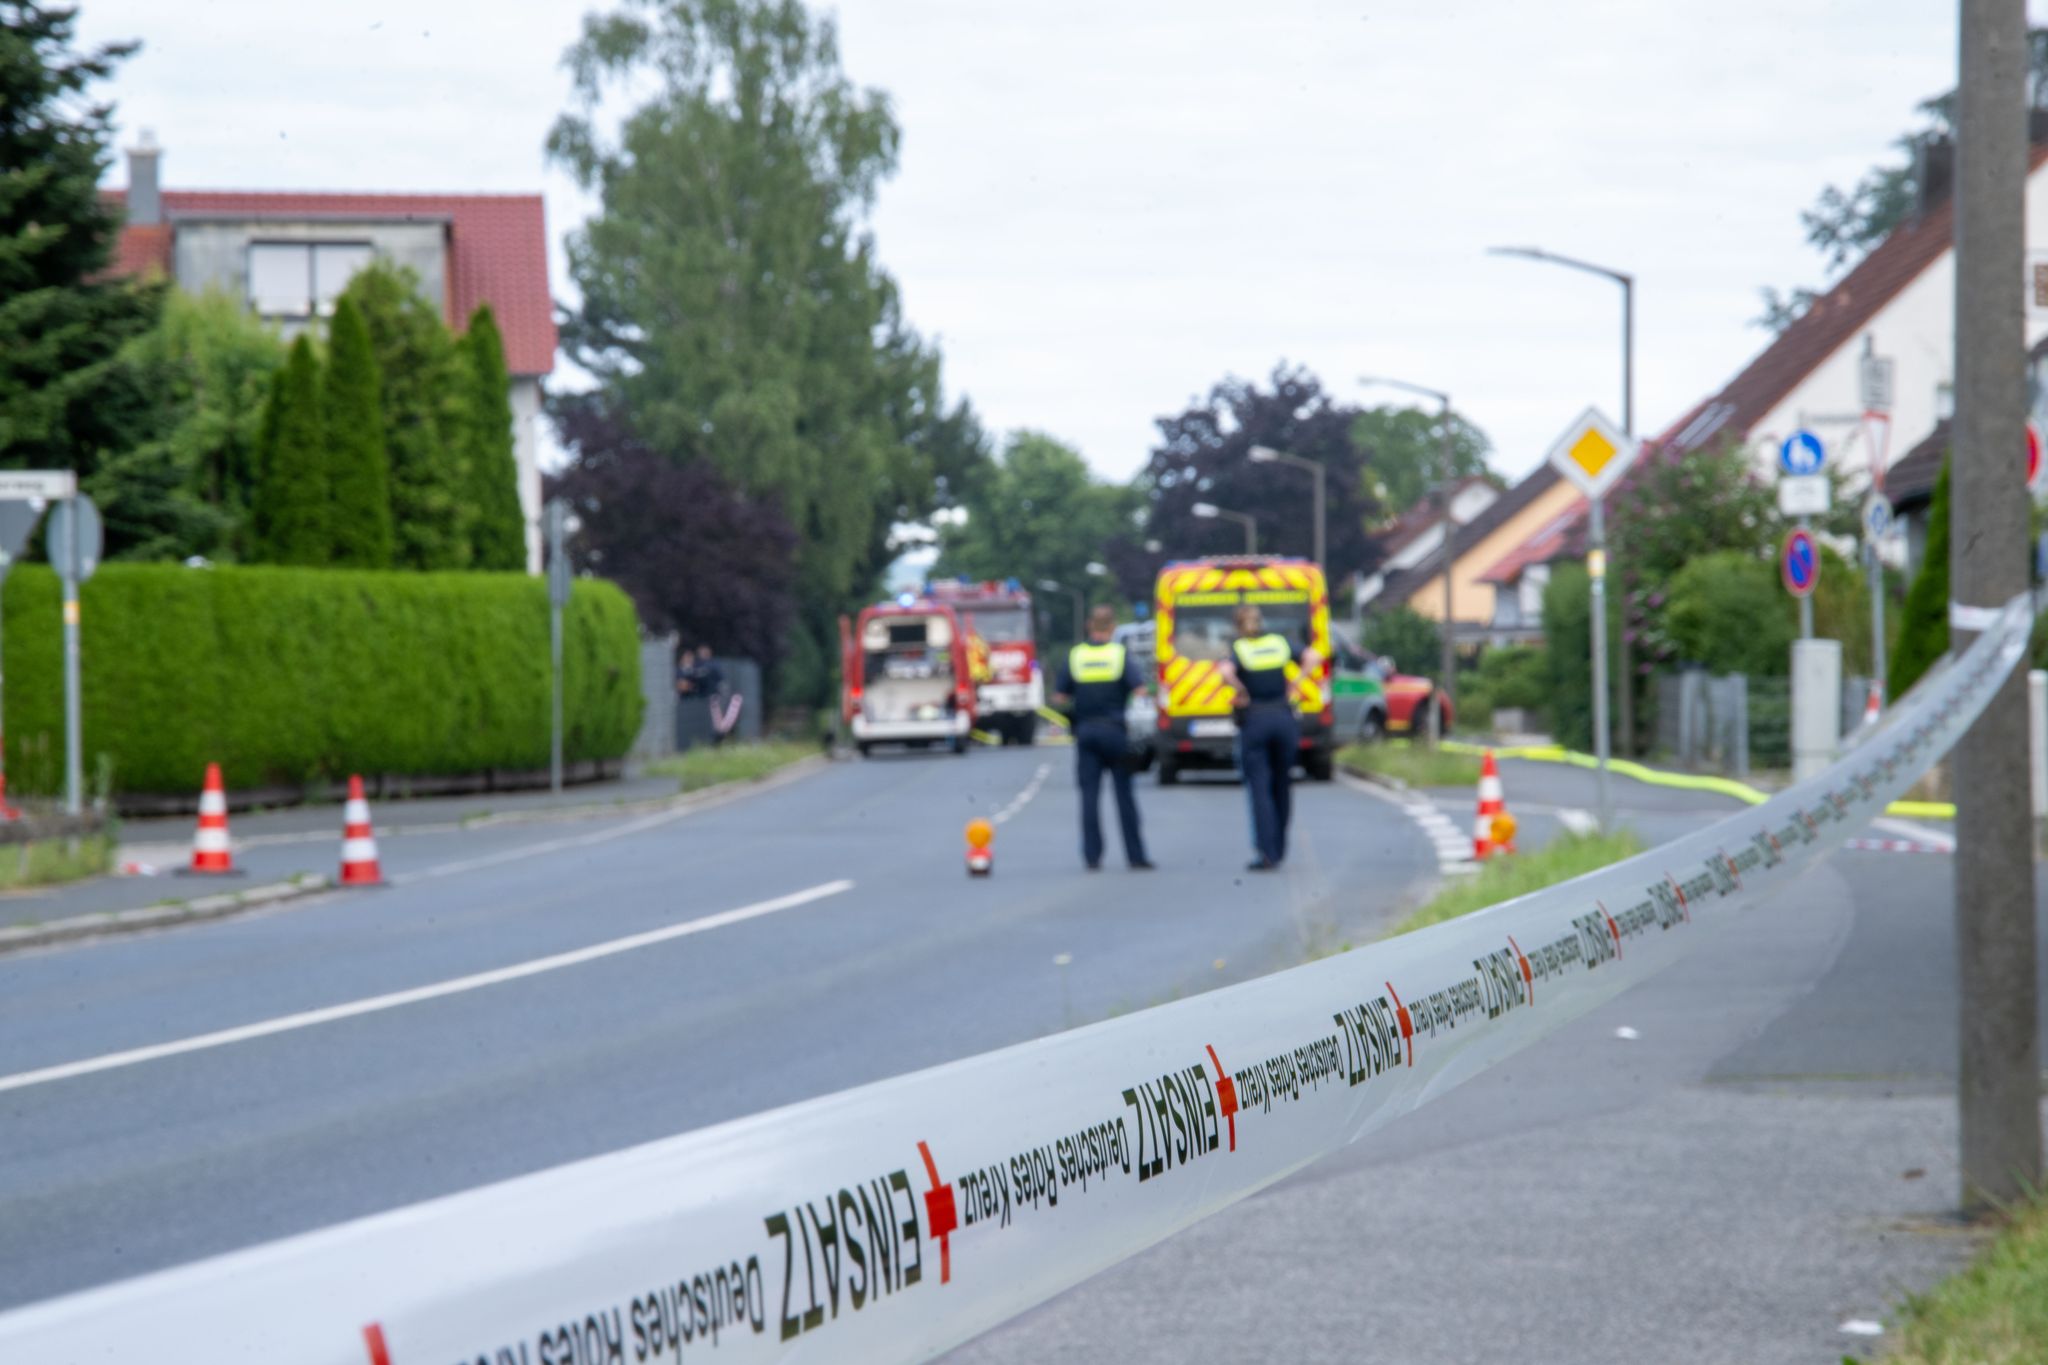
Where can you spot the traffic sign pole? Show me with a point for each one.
(1805, 599)
(557, 513)
(74, 746)
(1596, 563)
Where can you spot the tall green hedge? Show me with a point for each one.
(291, 675)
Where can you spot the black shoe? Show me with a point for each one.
(1261, 865)
(1144, 865)
(1094, 867)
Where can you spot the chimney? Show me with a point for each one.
(1934, 174)
(145, 193)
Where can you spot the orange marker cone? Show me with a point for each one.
(1875, 705)
(358, 840)
(1492, 802)
(981, 854)
(211, 855)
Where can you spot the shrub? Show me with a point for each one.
(1568, 641)
(1923, 634)
(298, 675)
(1407, 637)
(1507, 676)
(1728, 613)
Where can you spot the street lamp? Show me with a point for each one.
(1268, 455)
(1598, 557)
(1050, 586)
(1209, 511)
(1447, 665)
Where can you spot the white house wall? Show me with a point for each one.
(1916, 328)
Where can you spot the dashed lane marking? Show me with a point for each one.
(1453, 846)
(288, 1023)
(1023, 798)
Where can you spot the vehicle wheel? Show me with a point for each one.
(866, 747)
(1372, 728)
(1169, 771)
(1319, 764)
(1027, 730)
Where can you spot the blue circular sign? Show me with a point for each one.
(1799, 563)
(1802, 454)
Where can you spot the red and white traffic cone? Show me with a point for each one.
(1875, 705)
(211, 855)
(358, 841)
(1492, 802)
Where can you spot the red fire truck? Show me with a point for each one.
(1001, 654)
(905, 677)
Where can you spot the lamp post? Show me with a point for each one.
(1268, 455)
(1209, 511)
(1050, 586)
(1446, 667)
(1599, 522)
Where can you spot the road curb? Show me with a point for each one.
(76, 928)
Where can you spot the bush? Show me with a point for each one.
(1507, 676)
(1923, 633)
(1407, 637)
(1568, 641)
(1728, 613)
(286, 676)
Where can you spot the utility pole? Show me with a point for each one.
(1998, 1088)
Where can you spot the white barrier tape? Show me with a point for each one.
(1961, 617)
(891, 1222)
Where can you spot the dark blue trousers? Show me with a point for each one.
(1099, 747)
(1267, 738)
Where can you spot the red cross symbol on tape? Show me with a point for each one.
(1226, 1095)
(373, 1338)
(1679, 891)
(1407, 1023)
(1612, 928)
(1528, 977)
(941, 1216)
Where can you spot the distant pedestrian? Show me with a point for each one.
(1268, 739)
(1094, 683)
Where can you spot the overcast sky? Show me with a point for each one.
(1104, 206)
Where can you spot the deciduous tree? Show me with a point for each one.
(1403, 449)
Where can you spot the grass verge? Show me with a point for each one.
(1993, 1313)
(1517, 874)
(47, 862)
(704, 766)
(1418, 765)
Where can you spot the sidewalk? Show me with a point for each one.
(282, 854)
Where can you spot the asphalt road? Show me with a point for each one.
(119, 1161)
(1769, 1159)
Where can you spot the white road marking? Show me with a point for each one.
(1023, 798)
(455, 986)
(1453, 846)
(1576, 820)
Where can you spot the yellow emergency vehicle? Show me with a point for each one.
(1195, 603)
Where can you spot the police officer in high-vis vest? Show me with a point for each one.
(1267, 736)
(1093, 684)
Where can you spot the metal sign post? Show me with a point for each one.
(75, 551)
(1593, 456)
(557, 513)
(1877, 522)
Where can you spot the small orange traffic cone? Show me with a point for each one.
(211, 855)
(1875, 705)
(981, 854)
(358, 841)
(1487, 828)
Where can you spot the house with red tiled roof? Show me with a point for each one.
(289, 254)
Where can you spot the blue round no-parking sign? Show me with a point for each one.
(1799, 563)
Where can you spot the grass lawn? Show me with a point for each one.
(46, 862)
(703, 766)
(1418, 765)
(1516, 874)
(1994, 1313)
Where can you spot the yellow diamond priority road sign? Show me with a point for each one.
(1592, 454)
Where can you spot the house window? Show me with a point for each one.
(302, 279)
